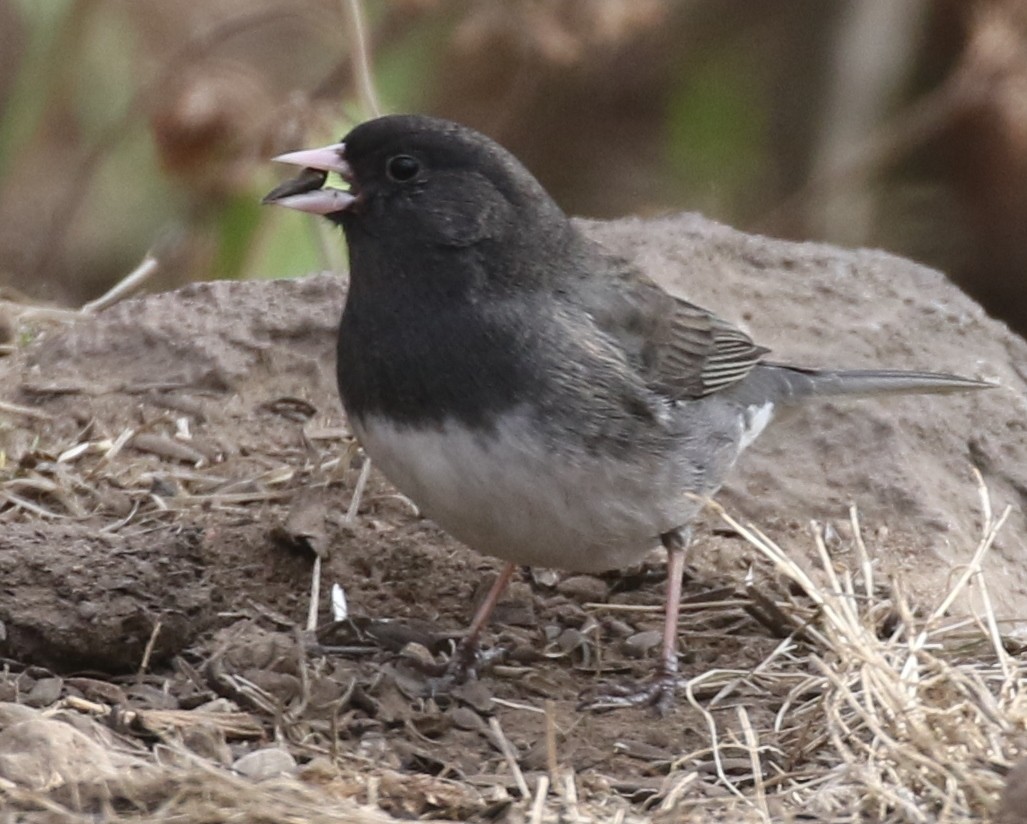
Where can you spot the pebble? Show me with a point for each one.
(583, 588)
(208, 742)
(44, 692)
(96, 690)
(641, 644)
(548, 578)
(465, 718)
(618, 628)
(265, 763)
(147, 696)
(43, 753)
(571, 639)
(474, 694)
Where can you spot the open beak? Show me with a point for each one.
(307, 191)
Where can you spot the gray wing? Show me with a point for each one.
(679, 349)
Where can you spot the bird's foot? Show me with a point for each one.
(467, 661)
(468, 658)
(658, 693)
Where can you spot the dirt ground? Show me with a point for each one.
(170, 469)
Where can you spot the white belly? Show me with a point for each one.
(508, 496)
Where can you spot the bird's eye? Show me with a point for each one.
(402, 168)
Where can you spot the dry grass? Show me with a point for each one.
(909, 715)
(894, 712)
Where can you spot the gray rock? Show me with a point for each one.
(266, 763)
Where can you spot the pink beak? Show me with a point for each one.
(307, 192)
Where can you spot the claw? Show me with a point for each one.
(464, 666)
(658, 693)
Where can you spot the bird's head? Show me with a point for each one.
(419, 181)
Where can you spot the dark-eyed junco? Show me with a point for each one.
(542, 400)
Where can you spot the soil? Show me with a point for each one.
(171, 467)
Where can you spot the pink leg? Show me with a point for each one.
(467, 653)
(658, 692)
(675, 545)
(484, 612)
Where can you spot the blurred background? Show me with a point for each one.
(136, 125)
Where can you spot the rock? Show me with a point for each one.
(641, 644)
(41, 753)
(266, 763)
(44, 692)
(11, 714)
(207, 741)
(583, 588)
(82, 600)
(96, 690)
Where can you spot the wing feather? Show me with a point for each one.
(679, 349)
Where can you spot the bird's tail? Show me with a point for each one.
(799, 383)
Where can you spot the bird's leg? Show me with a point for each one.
(659, 691)
(465, 661)
(676, 544)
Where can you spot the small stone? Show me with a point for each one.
(147, 696)
(515, 614)
(474, 694)
(418, 653)
(618, 628)
(641, 644)
(571, 639)
(42, 753)
(583, 588)
(100, 691)
(282, 685)
(44, 692)
(547, 578)
(265, 763)
(208, 742)
(465, 718)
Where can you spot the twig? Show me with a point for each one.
(27, 411)
(538, 805)
(315, 595)
(151, 642)
(18, 501)
(552, 763)
(506, 748)
(715, 744)
(133, 280)
(990, 530)
(515, 705)
(358, 492)
(570, 796)
(753, 745)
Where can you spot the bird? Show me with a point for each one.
(542, 400)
